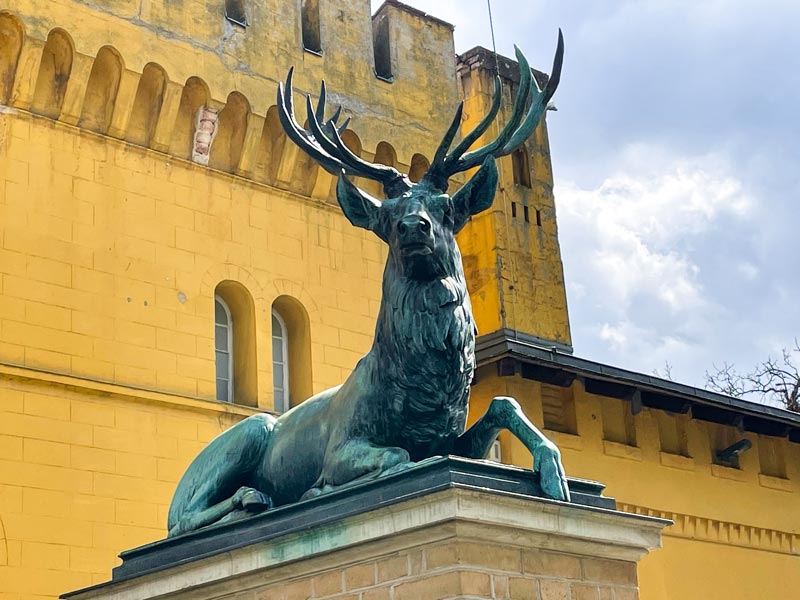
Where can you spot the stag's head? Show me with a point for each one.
(419, 220)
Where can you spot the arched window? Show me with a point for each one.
(291, 353)
(280, 362)
(235, 344)
(223, 348)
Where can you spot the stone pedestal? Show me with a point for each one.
(447, 529)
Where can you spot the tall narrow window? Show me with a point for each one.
(521, 166)
(280, 363)
(223, 346)
(381, 47)
(309, 10)
(235, 344)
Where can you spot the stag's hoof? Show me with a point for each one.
(251, 500)
(552, 479)
(317, 491)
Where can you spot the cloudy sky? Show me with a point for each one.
(676, 153)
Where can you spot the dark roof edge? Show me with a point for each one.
(509, 343)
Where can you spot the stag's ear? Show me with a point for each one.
(476, 195)
(361, 209)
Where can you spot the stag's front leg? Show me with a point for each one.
(506, 413)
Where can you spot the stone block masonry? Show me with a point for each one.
(436, 545)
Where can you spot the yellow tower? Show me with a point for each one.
(511, 253)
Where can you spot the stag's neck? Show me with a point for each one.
(418, 318)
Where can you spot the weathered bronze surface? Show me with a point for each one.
(406, 400)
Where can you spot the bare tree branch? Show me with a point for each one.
(667, 374)
(772, 381)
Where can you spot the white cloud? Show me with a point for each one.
(632, 250)
(630, 230)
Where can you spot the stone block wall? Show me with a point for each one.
(461, 569)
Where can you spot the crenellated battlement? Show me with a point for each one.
(141, 71)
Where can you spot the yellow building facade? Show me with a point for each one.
(145, 181)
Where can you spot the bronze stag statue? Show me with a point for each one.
(407, 399)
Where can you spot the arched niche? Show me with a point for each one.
(194, 95)
(304, 171)
(231, 128)
(101, 91)
(270, 149)
(385, 154)
(298, 335)
(147, 105)
(418, 168)
(11, 37)
(352, 141)
(54, 70)
(239, 302)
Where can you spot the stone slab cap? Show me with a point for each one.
(439, 500)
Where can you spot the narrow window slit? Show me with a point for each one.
(381, 47)
(312, 40)
(234, 12)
